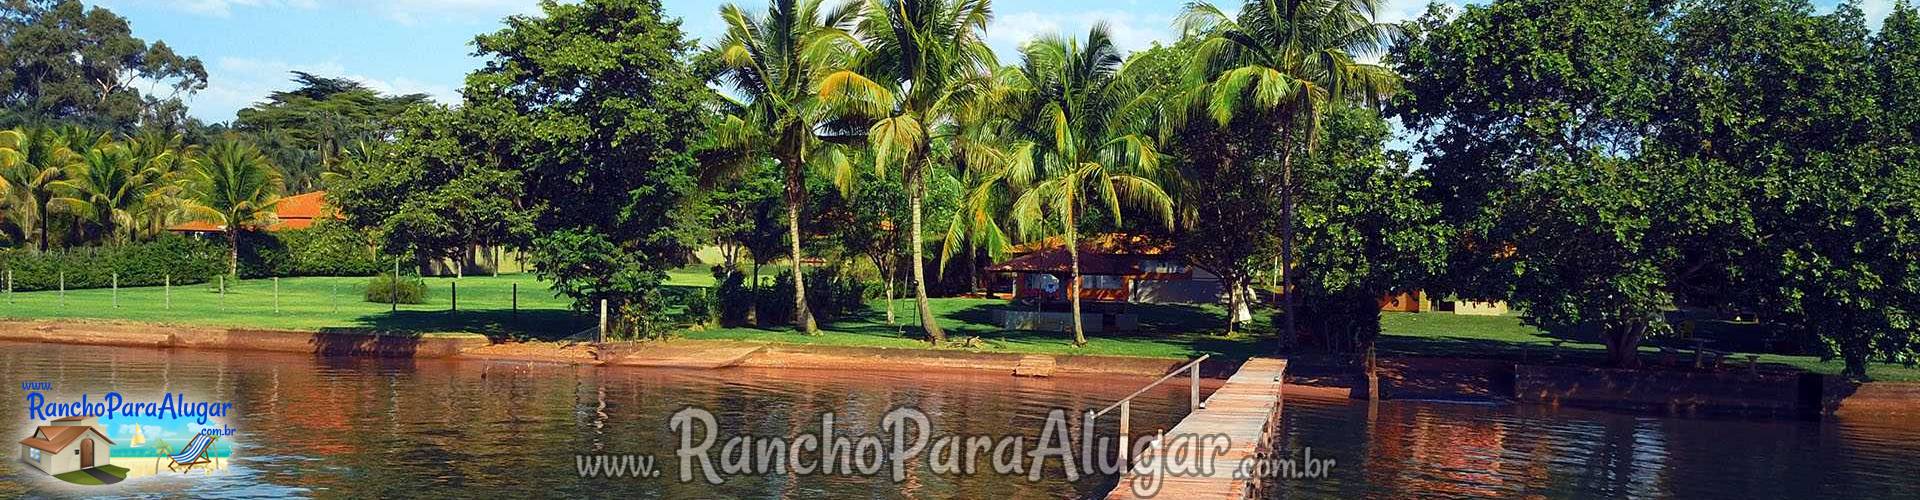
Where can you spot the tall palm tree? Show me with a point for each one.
(105, 189)
(1084, 146)
(916, 63)
(164, 160)
(236, 187)
(1285, 62)
(771, 61)
(39, 158)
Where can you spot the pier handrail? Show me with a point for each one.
(1126, 404)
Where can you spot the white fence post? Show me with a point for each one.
(600, 335)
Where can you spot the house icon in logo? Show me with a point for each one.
(67, 445)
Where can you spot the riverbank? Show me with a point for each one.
(1764, 389)
(688, 354)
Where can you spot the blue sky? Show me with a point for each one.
(405, 46)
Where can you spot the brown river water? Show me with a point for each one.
(371, 428)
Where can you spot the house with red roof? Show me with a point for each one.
(292, 213)
(1114, 268)
(66, 445)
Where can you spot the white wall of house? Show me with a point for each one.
(1193, 291)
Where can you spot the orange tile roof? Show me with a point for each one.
(302, 206)
(295, 212)
(59, 436)
(1108, 243)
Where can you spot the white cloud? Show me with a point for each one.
(236, 82)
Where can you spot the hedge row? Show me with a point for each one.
(324, 250)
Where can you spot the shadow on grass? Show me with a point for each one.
(496, 325)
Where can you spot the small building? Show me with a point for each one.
(1114, 268)
(66, 445)
(293, 212)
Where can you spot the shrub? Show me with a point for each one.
(329, 248)
(410, 290)
(733, 301)
(832, 293)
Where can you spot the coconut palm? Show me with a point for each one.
(1284, 63)
(1082, 146)
(915, 63)
(106, 190)
(235, 187)
(770, 65)
(38, 157)
(165, 161)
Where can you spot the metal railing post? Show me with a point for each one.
(276, 295)
(1194, 389)
(600, 334)
(1126, 433)
(116, 290)
(166, 291)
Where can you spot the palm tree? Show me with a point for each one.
(915, 64)
(164, 160)
(38, 158)
(105, 189)
(1083, 145)
(769, 62)
(1285, 62)
(235, 187)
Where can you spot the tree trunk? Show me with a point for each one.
(753, 295)
(233, 251)
(44, 220)
(1623, 344)
(802, 315)
(1073, 283)
(1233, 303)
(1286, 235)
(886, 280)
(917, 193)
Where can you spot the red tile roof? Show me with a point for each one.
(59, 436)
(1056, 260)
(1108, 243)
(295, 212)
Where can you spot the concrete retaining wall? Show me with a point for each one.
(1680, 392)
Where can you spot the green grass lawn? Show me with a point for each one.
(1166, 332)
(485, 307)
(82, 478)
(317, 303)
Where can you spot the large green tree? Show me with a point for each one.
(1283, 64)
(1534, 113)
(61, 60)
(1811, 109)
(308, 130)
(1364, 224)
(430, 191)
(596, 109)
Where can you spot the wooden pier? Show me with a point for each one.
(1245, 410)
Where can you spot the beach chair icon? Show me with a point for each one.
(195, 453)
